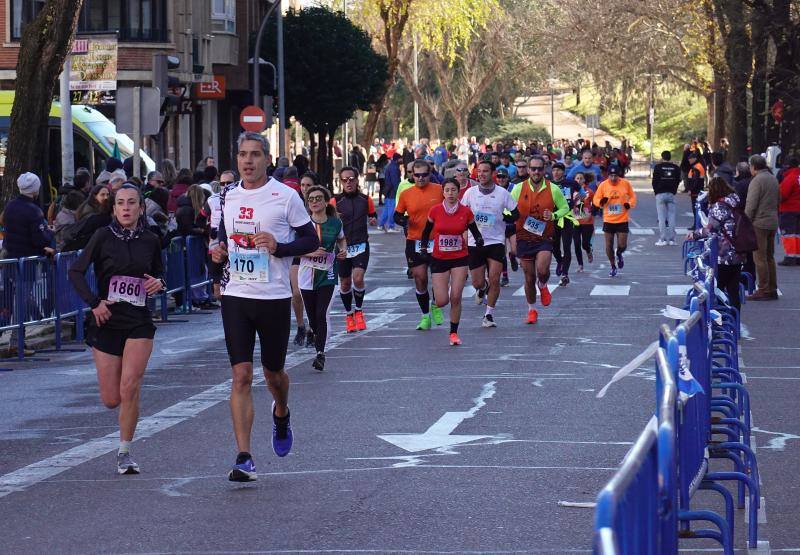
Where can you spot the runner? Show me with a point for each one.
(616, 197)
(303, 335)
(448, 222)
(540, 205)
(488, 203)
(417, 202)
(503, 179)
(317, 275)
(582, 212)
(357, 211)
(264, 224)
(562, 240)
(127, 265)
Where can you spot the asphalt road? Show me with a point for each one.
(403, 443)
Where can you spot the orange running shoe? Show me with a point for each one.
(351, 323)
(532, 316)
(454, 340)
(361, 325)
(547, 297)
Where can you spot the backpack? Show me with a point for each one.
(744, 235)
(75, 236)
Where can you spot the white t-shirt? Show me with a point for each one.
(275, 208)
(488, 211)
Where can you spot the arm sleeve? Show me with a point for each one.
(511, 217)
(40, 235)
(751, 204)
(476, 233)
(426, 233)
(562, 207)
(656, 175)
(598, 194)
(401, 205)
(306, 241)
(77, 272)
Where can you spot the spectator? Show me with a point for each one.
(722, 168)
(98, 196)
(291, 179)
(169, 172)
(182, 184)
(301, 163)
(103, 178)
(26, 231)
(790, 213)
(83, 181)
(155, 180)
(210, 173)
(763, 198)
(93, 214)
(380, 166)
(357, 159)
(155, 207)
(67, 215)
(666, 177)
(113, 164)
(391, 182)
(741, 183)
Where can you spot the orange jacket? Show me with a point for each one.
(619, 193)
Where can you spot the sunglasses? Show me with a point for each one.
(316, 198)
(536, 168)
(461, 170)
(521, 166)
(502, 177)
(348, 179)
(224, 183)
(421, 175)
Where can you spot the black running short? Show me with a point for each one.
(439, 266)
(527, 250)
(112, 341)
(345, 266)
(480, 256)
(615, 228)
(243, 319)
(413, 258)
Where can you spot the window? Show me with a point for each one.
(22, 12)
(223, 16)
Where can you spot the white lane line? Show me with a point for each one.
(610, 290)
(468, 291)
(521, 291)
(678, 290)
(632, 231)
(181, 411)
(386, 293)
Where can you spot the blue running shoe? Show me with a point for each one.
(620, 261)
(281, 434)
(244, 470)
(613, 272)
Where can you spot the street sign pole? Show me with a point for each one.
(281, 89)
(137, 129)
(67, 157)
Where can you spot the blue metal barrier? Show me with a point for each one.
(174, 273)
(198, 283)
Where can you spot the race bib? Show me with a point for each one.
(534, 226)
(249, 266)
(450, 243)
(127, 289)
(355, 250)
(418, 245)
(321, 262)
(485, 219)
(614, 209)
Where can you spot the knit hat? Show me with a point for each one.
(29, 184)
(103, 178)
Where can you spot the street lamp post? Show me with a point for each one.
(416, 85)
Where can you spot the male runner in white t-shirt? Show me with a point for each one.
(263, 225)
(493, 207)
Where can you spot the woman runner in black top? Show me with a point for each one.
(127, 262)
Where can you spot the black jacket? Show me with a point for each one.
(26, 233)
(666, 177)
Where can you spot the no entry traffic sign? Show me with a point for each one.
(253, 119)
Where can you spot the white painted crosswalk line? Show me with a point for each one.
(678, 290)
(519, 292)
(468, 291)
(386, 293)
(610, 290)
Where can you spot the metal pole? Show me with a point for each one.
(67, 158)
(257, 55)
(281, 90)
(552, 113)
(416, 84)
(345, 149)
(651, 115)
(137, 129)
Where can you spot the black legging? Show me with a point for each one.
(728, 277)
(562, 246)
(317, 303)
(582, 239)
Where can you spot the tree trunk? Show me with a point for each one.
(328, 169)
(623, 105)
(322, 160)
(759, 83)
(578, 94)
(461, 117)
(312, 150)
(720, 96)
(43, 48)
(785, 82)
(739, 60)
(713, 139)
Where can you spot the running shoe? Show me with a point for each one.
(319, 362)
(361, 324)
(590, 255)
(613, 272)
(281, 434)
(310, 338)
(504, 281)
(424, 323)
(532, 316)
(436, 315)
(564, 280)
(671, 242)
(300, 337)
(559, 268)
(547, 297)
(580, 269)
(620, 261)
(454, 340)
(243, 471)
(126, 465)
(661, 243)
(351, 323)
(514, 263)
(478, 296)
(488, 322)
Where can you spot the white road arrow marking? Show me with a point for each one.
(440, 434)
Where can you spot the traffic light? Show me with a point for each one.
(162, 64)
